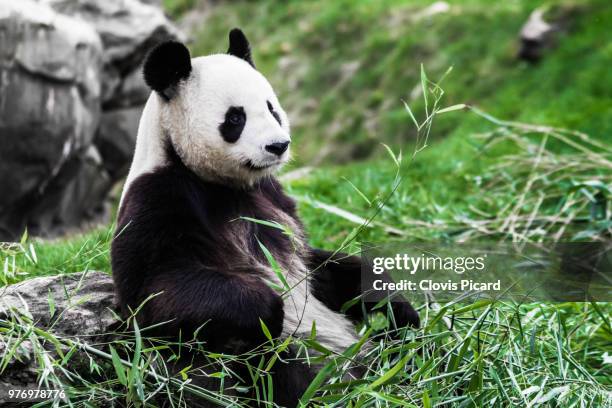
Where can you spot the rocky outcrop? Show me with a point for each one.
(77, 306)
(116, 138)
(70, 99)
(50, 68)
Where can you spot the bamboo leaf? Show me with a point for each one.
(424, 81)
(452, 108)
(265, 330)
(274, 265)
(391, 373)
(316, 383)
(416, 123)
(426, 399)
(272, 224)
(395, 160)
(183, 373)
(361, 194)
(118, 365)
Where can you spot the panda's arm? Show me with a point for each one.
(227, 305)
(186, 295)
(336, 279)
(163, 249)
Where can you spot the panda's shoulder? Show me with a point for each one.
(163, 190)
(275, 192)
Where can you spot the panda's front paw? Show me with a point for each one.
(256, 302)
(405, 315)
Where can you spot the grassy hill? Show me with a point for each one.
(343, 68)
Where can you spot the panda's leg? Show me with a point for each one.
(336, 279)
(225, 309)
(199, 368)
(291, 376)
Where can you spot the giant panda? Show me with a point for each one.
(211, 137)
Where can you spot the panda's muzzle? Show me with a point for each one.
(254, 167)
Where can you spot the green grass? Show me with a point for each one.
(511, 172)
(175, 8)
(342, 68)
(38, 257)
(481, 354)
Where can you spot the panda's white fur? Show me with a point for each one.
(302, 309)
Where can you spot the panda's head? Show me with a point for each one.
(220, 114)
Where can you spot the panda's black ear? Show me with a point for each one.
(239, 46)
(166, 65)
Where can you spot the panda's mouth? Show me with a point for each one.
(258, 167)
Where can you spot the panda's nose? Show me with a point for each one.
(277, 148)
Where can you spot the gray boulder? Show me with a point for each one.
(70, 100)
(116, 138)
(128, 29)
(77, 306)
(82, 303)
(50, 68)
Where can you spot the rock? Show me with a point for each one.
(128, 29)
(74, 305)
(84, 197)
(82, 302)
(74, 197)
(71, 92)
(116, 138)
(50, 69)
(132, 91)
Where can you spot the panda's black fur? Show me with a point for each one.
(162, 77)
(174, 239)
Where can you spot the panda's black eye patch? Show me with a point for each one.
(273, 112)
(232, 126)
